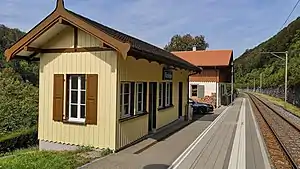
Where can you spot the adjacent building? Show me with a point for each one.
(98, 86)
(214, 85)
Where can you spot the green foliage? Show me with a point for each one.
(186, 43)
(27, 70)
(18, 94)
(44, 160)
(19, 151)
(252, 62)
(106, 152)
(8, 37)
(19, 102)
(20, 139)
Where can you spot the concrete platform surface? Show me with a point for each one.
(159, 155)
(232, 141)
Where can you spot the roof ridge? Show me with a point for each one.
(113, 29)
(135, 42)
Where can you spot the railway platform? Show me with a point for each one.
(232, 141)
(227, 138)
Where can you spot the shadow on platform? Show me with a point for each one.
(156, 166)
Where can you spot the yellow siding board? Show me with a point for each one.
(101, 63)
(132, 130)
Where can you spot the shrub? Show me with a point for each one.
(106, 152)
(19, 103)
(21, 139)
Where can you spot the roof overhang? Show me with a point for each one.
(56, 22)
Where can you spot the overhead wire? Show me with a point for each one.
(290, 14)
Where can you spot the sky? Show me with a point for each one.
(226, 24)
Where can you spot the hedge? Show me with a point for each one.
(17, 140)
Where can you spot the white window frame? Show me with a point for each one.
(168, 93)
(192, 90)
(122, 94)
(161, 94)
(137, 85)
(78, 104)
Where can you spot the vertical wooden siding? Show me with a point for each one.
(207, 75)
(104, 64)
(141, 70)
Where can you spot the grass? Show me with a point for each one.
(33, 159)
(293, 109)
(20, 151)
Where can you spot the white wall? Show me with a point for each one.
(209, 87)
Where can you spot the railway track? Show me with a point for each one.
(281, 134)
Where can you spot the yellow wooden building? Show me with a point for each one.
(100, 87)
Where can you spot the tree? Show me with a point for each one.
(186, 43)
(19, 102)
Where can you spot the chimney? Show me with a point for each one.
(194, 48)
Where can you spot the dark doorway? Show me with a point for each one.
(180, 99)
(152, 106)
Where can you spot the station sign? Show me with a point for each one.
(167, 74)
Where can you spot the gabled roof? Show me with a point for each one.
(124, 44)
(138, 46)
(207, 57)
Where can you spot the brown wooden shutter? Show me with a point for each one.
(132, 92)
(91, 98)
(58, 97)
(145, 97)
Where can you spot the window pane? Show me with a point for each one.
(121, 88)
(126, 107)
(126, 88)
(139, 106)
(140, 88)
(82, 82)
(126, 98)
(74, 111)
(74, 82)
(74, 97)
(140, 96)
(82, 111)
(82, 97)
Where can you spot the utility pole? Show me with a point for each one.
(286, 69)
(286, 80)
(254, 85)
(232, 79)
(260, 86)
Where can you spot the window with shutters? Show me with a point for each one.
(139, 97)
(76, 97)
(168, 93)
(125, 99)
(161, 95)
(194, 90)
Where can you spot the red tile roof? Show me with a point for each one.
(207, 57)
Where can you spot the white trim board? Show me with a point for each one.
(238, 153)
